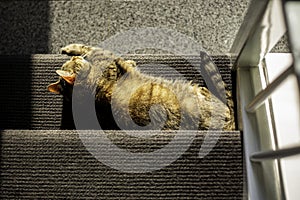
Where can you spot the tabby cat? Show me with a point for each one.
(120, 88)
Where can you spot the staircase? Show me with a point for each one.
(44, 157)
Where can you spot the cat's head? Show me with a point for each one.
(107, 69)
(67, 75)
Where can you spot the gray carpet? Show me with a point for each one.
(32, 27)
(56, 165)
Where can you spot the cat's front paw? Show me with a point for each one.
(75, 49)
(127, 65)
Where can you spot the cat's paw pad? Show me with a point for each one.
(130, 63)
(74, 49)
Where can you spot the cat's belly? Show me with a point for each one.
(159, 106)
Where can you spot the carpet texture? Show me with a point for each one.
(34, 27)
(56, 165)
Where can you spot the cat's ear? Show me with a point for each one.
(67, 76)
(127, 65)
(55, 87)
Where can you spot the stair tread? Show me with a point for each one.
(26, 103)
(56, 164)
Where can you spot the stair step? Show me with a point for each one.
(26, 103)
(48, 164)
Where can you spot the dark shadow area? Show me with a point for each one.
(1, 155)
(24, 27)
(67, 122)
(234, 97)
(15, 101)
(24, 31)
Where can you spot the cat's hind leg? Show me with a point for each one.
(76, 49)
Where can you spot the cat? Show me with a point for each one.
(120, 88)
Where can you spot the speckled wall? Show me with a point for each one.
(29, 27)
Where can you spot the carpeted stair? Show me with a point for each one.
(43, 157)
